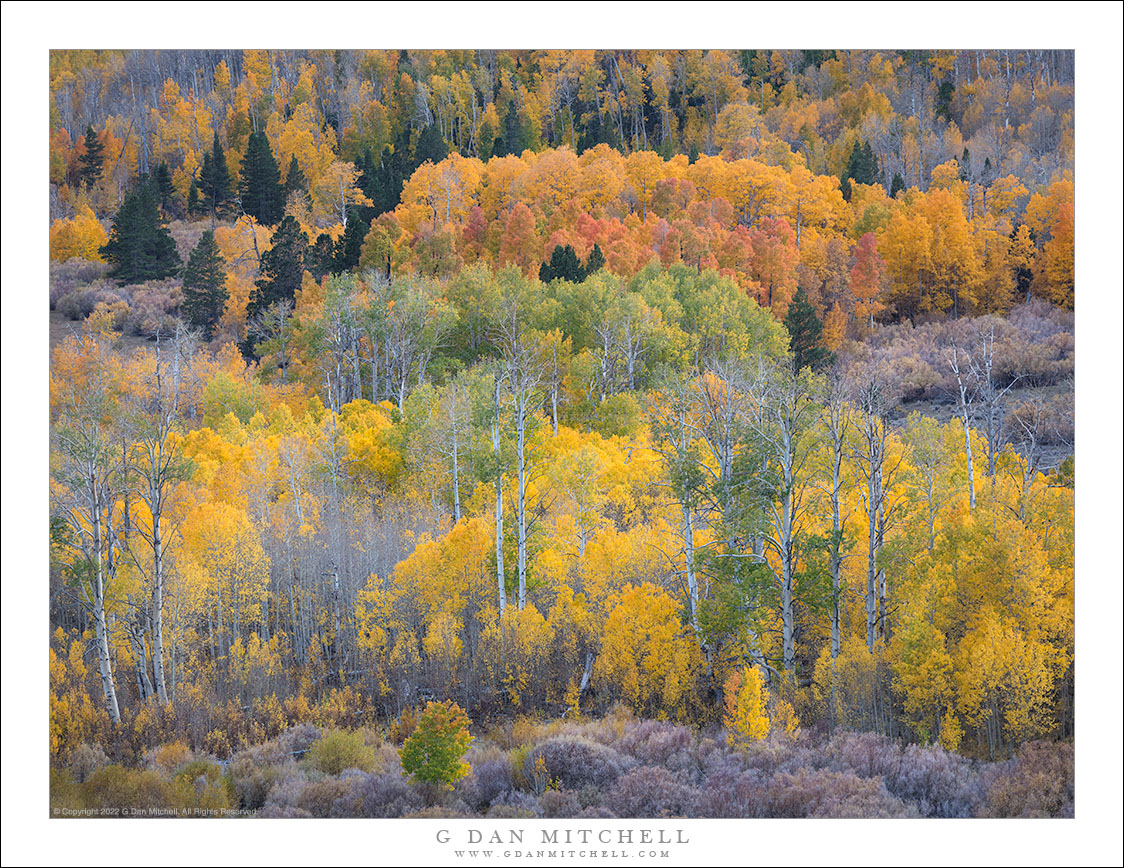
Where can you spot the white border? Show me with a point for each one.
(1093, 29)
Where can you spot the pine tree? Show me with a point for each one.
(805, 330)
(206, 182)
(140, 246)
(430, 146)
(295, 180)
(259, 184)
(193, 198)
(320, 261)
(512, 130)
(870, 164)
(282, 267)
(386, 185)
(350, 245)
(164, 184)
(896, 185)
(595, 261)
(214, 178)
(485, 140)
(204, 285)
(862, 165)
(92, 160)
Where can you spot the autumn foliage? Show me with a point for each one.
(707, 387)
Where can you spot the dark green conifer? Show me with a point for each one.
(260, 183)
(282, 267)
(564, 265)
(204, 285)
(140, 247)
(92, 159)
(805, 331)
(294, 179)
(595, 261)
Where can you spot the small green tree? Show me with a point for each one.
(204, 285)
(433, 753)
(805, 331)
(92, 159)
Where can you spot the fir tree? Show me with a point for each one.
(282, 267)
(943, 101)
(295, 180)
(513, 130)
(320, 260)
(193, 198)
(564, 265)
(222, 185)
(164, 186)
(204, 285)
(896, 185)
(862, 166)
(805, 330)
(140, 247)
(260, 182)
(485, 140)
(430, 146)
(595, 261)
(206, 182)
(214, 178)
(92, 160)
(350, 245)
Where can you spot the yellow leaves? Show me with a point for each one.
(223, 555)
(374, 616)
(443, 644)
(647, 658)
(371, 444)
(302, 136)
(643, 170)
(746, 697)
(1003, 672)
(81, 235)
(334, 191)
(74, 717)
(442, 194)
(516, 648)
(1057, 267)
(448, 574)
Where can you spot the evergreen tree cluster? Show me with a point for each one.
(214, 185)
(282, 267)
(565, 265)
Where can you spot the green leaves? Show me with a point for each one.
(433, 754)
